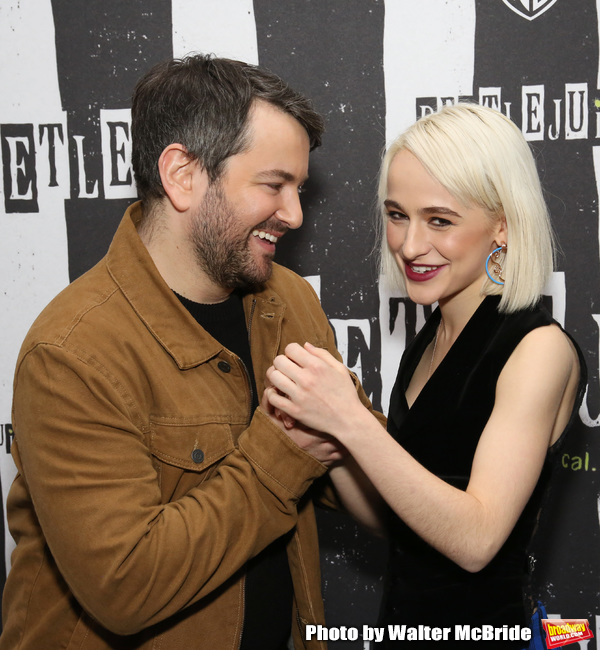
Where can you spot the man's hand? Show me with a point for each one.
(321, 446)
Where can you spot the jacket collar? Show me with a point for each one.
(136, 275)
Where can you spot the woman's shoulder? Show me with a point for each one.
(531, 346)
(548, 344)
(546, 371)
(530, 331)
(543, 339)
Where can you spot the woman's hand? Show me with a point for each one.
(314, 388)
(321, 446)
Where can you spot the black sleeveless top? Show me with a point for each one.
(441, 430)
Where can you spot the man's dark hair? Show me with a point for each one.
(203, 103)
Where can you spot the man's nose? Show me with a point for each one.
(290, 211)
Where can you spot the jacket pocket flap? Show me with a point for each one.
(190, 445)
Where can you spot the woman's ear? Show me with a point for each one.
(501, 236)
(179, 175)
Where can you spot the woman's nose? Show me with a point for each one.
(416, 240)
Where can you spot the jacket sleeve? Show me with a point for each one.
(129, 559)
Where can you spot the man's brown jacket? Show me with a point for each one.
(144, 480)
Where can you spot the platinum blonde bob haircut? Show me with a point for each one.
(482, 159)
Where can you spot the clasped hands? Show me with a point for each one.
(308, 392)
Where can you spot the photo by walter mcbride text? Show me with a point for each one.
(420, 633)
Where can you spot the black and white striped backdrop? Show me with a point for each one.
(67, 68)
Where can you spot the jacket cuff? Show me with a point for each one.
(279, 461)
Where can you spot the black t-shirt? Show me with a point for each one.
(268, 586)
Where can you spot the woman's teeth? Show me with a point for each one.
(422, 269)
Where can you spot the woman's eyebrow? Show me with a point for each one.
(438, 209)
(434, 209)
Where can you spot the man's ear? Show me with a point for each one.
(180, 176)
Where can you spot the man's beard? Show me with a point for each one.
(222, 247)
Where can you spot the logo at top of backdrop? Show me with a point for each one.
(529, 9)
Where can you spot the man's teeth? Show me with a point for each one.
(422, 269)
(265, 235)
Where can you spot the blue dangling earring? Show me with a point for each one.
(494, 256)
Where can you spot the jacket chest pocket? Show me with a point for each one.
(186, 453)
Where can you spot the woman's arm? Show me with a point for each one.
(355, 492)
(534, 397)
(358, 495)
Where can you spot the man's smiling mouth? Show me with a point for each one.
(265, 235)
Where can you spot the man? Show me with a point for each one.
(156, 506)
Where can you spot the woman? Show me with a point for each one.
(485, 392)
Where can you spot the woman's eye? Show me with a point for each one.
(440, 223)
(396, 216)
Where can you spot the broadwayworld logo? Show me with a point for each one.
(561, 632)
(529, 9)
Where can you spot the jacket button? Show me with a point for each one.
(224, 366)
(197, 455)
